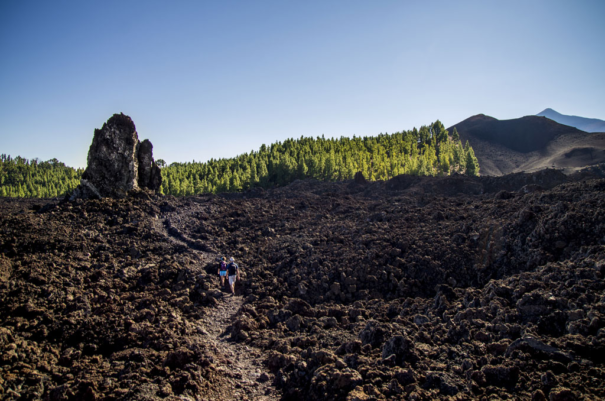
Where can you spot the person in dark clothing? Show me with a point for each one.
(222, 271)
(233, 272)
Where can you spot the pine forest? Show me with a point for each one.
(22, 178)
(431, 150)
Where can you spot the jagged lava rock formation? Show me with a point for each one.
(118, 162)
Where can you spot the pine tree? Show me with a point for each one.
(302, 168)
(472, 165)
(455, 135)
(330, 169)
(236, 185)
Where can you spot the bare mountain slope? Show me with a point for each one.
(529, 143)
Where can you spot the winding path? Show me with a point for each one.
(241, 364)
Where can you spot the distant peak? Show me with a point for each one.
(479, 117)
(548, 111)
(581, 123)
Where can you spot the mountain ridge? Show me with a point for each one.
(529, 143)
(524, 134)
(582, 123)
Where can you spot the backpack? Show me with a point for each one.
(223, 265)
(232, 268)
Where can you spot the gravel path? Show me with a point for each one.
(242, 365)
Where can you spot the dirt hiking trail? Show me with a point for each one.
(240, 364)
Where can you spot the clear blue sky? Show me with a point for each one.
(214, 79)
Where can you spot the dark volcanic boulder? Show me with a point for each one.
(149, 173)
(401, 347)
(118, 162)
(375, 333)
(359, 178)
(6, 269)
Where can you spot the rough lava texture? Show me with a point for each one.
(117, 162)
(150, 176)
(427, 288)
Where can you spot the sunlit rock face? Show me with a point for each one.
(118, 162)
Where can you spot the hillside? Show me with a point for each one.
(529, 143)
(524, 135)
(429, 151)
(582, 123)
(414, 288)
(22, 178)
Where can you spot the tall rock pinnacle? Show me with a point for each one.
(118, 162)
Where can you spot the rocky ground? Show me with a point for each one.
(414, 288)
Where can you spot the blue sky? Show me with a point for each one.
(214, 79)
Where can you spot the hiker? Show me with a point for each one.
(222, 271)
(233, 270)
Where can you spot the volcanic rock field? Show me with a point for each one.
(415, 288)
